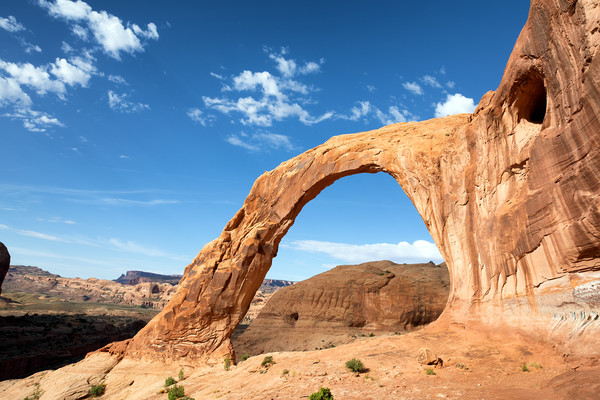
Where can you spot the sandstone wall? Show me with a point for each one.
(509, 194)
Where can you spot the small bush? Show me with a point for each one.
(36, 394)
(176, 392)
(180, 376)
(372, 334)
(535, 365)
(170, 381)
(227, 363)
(322, 394)
(355, 365)
(245, 357)
(285, 372)
(429, 371)
(267, 362)
(97, 390)
(524, 368)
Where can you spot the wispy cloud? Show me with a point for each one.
(197, 115)
(133, 247)
(365, 110)
(119, 102)
(11, 24)
(413, 87)
(57, 220)
(418, 251)
(261, 141)
(431, 81)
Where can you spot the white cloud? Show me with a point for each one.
(454, 104)
(124, 157)
(120, 103)
(107, 29)
(365, 109)
(128, 202)
(10, 24)
(261, 141)
(220, 77)
(37, 78)
(70, 74)
(11, 92)
(431, 81)
(34, 121)
(418, 251)
(133, 247)
(371, 88)
(117, 79)
(274, 98)
(30, 48)
(413, 87)
(40, 235)
(57, 220)
(198, 116)
(450, 84)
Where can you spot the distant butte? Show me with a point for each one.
(510, 194)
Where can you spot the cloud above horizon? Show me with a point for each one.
(455, 104)
(418, 251)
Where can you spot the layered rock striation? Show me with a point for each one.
(510, 195)
(347, 302)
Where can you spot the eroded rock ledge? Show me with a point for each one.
(509, 194)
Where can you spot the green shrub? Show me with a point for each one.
(245, 357)
(227, 363)
(97, 390)
(429, 371)
(180, 376)
(355, 365)
(36, 394)
(285, 372)
(524, 368)
(535, 365)
(170, 381)
(322, 394)
(267, 362)
(176, 392)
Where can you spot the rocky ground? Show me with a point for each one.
(477, 364)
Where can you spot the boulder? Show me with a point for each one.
(4, 263)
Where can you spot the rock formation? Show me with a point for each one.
(29, 279)
(4, 263)
(510, 195)
(348, 301)
(135, 277)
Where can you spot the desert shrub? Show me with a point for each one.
(429, 371)
(245, 357)
(535, 365)
(372, 334)
(267, 362)
(227, 363)
(285, 372)
(180, 376)
(97, 390)
(36, 394)
(170, 381)
(524, 368)
(355, 365)
(322, 394)
(176, 392)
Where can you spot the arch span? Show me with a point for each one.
(509, 194)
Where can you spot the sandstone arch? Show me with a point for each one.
(509, 194)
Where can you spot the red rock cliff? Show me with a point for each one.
(509, 194)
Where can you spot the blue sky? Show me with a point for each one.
(132, 131)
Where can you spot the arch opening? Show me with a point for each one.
(385, 291)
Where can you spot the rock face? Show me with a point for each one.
(348, 301)
(135, 277)
(4, 263)
(510, 195)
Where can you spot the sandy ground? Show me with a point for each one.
(477, 365)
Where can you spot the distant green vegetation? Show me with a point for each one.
(170, 381)
(267, 362)
(430, 371)
(227, 363)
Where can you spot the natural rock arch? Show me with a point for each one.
(509, 195)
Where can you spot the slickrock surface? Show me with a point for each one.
(510, 195)
(4, 263)
(345, 303)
